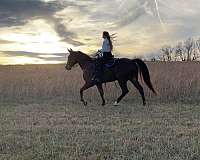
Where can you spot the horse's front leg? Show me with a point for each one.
(85, 87)
(100, 89)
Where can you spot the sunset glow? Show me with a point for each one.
(37, 31)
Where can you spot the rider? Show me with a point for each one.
(106, 55)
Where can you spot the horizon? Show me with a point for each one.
(40, 31)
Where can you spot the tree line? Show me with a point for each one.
(188, 50)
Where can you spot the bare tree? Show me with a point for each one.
(195, 55)
(179, 52)
(189, 50)
(189, 46)
(198, 44)
(160, 58)
(153, 59)
(167, 53)
(198, 47)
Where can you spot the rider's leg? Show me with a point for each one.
(98, 71)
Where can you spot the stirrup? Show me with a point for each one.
(96, 80)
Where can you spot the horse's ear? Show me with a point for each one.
(69, 50)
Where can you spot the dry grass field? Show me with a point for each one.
(173, 81)
(41, 116)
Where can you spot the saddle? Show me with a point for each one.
(111, 63)
(100, 70)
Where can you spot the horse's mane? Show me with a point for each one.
(84, 56)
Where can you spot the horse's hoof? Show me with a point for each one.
(103, 104)
(85, 103)
(144, 103)
(115, 103)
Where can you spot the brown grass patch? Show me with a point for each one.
(174, 81)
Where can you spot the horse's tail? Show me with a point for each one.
(143, 70)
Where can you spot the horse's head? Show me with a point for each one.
(72, 59)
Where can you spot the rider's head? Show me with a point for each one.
(106, 35)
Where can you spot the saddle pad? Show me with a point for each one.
(111, 63)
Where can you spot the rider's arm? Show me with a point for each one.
(105, 46)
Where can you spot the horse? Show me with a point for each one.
(123, 71)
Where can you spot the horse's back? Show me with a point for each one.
(124, 62)
(124, 67)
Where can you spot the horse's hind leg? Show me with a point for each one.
(85, 87)
(139, 87)
(100, 89)
(124, 88)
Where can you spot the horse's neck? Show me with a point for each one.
(84, 61)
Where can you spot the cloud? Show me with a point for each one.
(2, 41)
(80, 23)
(122, 12)
(66, 35)
(20, 12)
(60, 57)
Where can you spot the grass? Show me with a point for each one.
(70, 131)
(174, 81)
(41, 116)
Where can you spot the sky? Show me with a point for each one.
(40, 31)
